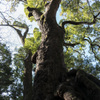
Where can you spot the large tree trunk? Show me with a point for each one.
(50, 67)
(52, 81)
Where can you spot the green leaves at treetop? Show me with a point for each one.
(76, 11)
(39, 4)
(33, 43)
(80, 11)
(67, 4)
(35, 3)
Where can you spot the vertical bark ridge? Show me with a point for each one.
(50, 69)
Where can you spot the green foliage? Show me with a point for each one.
(68, 4)
(39, 4)
(35, 3)
(74, 60)
(33, 43)
(81, 11)
(6, 73)
(16, 89)
(19, 63)
(79, 56)
(96, 5)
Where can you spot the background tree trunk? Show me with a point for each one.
(28, 78)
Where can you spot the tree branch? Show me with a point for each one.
(52, 8)
(71, 44)
(97, 15)
(25, 33)
(3, 17)
(34, 12)
(77, 23)
(90, 7)
(77, 52)
(17, 30)
(92, 45)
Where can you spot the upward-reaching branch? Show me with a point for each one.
(78, 23)
(25, 33)
(4, 18)
(90, 7)
(52, 8)
(92, 46)
(18, 32)
(22, 37)
(71, 44)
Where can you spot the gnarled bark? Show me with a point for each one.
(52, 81)
(79, 86)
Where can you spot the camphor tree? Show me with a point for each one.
(52, 79)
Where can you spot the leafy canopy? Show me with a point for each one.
(6, 72)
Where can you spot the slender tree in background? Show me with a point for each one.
(27, 58)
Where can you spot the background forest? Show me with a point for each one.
(20, 34)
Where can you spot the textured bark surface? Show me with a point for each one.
(52, 81)
(27, 78)
(79, 86)
(50, 68)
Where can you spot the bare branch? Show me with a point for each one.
(88, 40)
(71, 44)
(97, 15)
(3, 17)
(95, 54)
(77, 52)
(90, 7)
(78, 23)
(25, 33)
(18, 32)
(92, 46)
